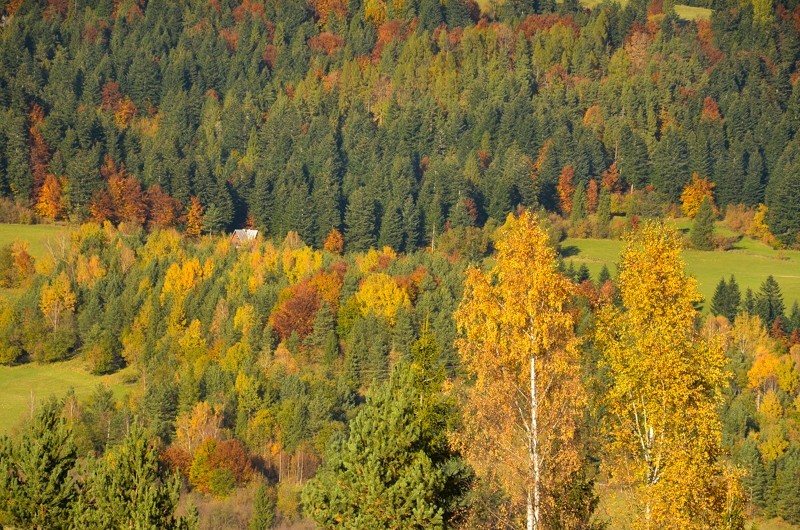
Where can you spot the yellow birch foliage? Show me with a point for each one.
(89, 270)
(759, 228)
(57, 299)
(380, 294)
(664, 392)
(300, 262)
(194, 427)
(512, 315)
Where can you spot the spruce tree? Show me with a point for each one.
(769, 301)
(703, 227)
(603, 276)
(734, 299)
(263, 509)
(411, 224)
(359, 220)
(726, 299)
(583, 273)
(783, 198)
(794, 318)
(604, 212)
(670, 164)
(392, 228)
(578, 212)
(719, 300)
(749, 302)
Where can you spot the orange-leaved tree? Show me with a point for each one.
(195, 216)
(665, 386)
(566, 189)
(519, 343)
(695, 193)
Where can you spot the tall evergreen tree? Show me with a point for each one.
(359, 220)
(726, 299)
(392, 228)
(37, 487)
(130, 488)
(769, 301)
(703, 227)
(670, 164)
(263, 509)
(397, 463)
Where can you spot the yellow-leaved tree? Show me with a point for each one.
(665, 386)
(522, 413)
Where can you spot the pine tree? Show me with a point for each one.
(37, 488)
(130, 488)
(726, 299)
(749, 302)
(430, 14)
(755, 480)
(359, 220)
(396, 462)
(671, 172)
(578, 212)
(794, 318)
(583, 274)
(703, 227)
(783, 197)
(411, 224)
(604, 212)
(769, 302)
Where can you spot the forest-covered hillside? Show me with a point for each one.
(402, 345)
(389, 119)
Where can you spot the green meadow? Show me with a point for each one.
(37, 236)
(749, 261)
(24, 387)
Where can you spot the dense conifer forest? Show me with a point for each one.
(402, 345)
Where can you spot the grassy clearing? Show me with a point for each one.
(37, 236)
(692, 13)
(29, 384)
(750, 261)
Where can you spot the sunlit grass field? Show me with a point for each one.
(24, 387)
(750, 262)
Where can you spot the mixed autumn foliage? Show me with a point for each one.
(381, 119)
(383, 333)
(273, 361)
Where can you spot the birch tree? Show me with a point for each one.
(522, 413)
(666, 382)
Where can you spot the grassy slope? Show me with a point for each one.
(36, 236)
(692, 13)
(750, 261)
(22, 385)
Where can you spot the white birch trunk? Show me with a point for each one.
(533, 499)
